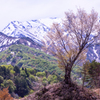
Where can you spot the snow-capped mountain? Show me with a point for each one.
(28, 33)
(31, 33)
(34, 29)
(6, 41)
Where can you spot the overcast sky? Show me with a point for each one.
(24, 10)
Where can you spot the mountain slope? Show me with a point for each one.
(24, 56)
(94, 53)
(6, 41)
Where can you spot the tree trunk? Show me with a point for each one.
(68, 74)
(83, 81)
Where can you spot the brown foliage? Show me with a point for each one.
(4, 95)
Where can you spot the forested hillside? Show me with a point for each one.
(24, 81)
(24, 56)
(26, 70)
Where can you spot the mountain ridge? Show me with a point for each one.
(34, 29)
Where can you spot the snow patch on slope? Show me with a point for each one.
(95, 51)
(28, 43)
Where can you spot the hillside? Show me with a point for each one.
(24, 56)
(62, 91)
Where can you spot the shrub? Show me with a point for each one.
(32, 77)
(4, 95)
(52, 79)
(10, 84)
(1, 79)
(40, 74)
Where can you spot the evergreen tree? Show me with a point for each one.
(22, 88)
(17, 69)
(26, 72)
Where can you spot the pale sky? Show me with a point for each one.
(24, 10)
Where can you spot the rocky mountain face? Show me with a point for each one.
(6, 41)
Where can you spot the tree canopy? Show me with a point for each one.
(68, 41)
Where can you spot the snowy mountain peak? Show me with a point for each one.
(34, 29)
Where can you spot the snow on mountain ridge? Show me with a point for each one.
(34, 29)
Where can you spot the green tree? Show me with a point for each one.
(32, 78)
(22, 88)
(29, 83)
(1, 79)
(31, 71)
(40, 74)
(9, 83)
(17, 69)
(26, 72)
(68, 41)
(5, 72)
(52, 79)
(13, 61)
(44, 81)
(12, 72)
(93, 77)
(22, 73)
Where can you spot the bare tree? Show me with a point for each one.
(68, 41)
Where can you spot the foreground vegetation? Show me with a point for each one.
(23, 81)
